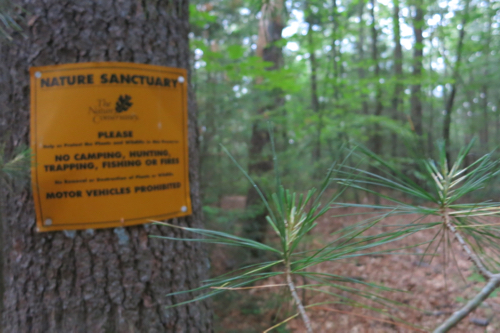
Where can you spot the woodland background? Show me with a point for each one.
(299, 82)
(394, 76)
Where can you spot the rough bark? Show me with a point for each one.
(111, 280)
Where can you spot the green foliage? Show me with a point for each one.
(199, 18)
(16, 169)
(233, 83)
(292, 216)
(236, 90)
(9, 15)
(445, 187)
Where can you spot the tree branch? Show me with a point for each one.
(493, 281)
(296, 297)
(457, 316)
(472, 256)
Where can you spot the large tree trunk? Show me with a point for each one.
(111, 280)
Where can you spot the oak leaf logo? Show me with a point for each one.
(123, 104)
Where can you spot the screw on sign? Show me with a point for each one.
(123, 103)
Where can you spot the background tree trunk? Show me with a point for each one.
(484, 135)
(418, 56)
(310, 19)
(111, 280)
(361, 52)
(456, 73)
(377, 136)
(397, 99)
(260, 161)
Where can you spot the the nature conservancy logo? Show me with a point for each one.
(103, 110)
(123, 103)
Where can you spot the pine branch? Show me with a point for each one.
(297, 300)
(493, 281)
(472, 256)
(17, 168)
(457, 316)
(9, 17)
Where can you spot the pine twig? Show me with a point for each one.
(472, 256)
(296, 297)
(457, 316)
(493, 282)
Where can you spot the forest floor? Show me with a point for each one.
(428, 291)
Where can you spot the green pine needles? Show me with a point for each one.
(442, 191)
(15, 169)
(292, 216)
(9, 18)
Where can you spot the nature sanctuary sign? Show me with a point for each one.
(110, 144)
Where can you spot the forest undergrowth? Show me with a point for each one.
(308, 263)
(430, 291)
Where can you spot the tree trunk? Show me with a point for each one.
(456, 74)
(430, 119)
(484, 132)
(109, 280)
(361, 53)
(314, 82)
(377, 136)
(397, 99)
(418, 56)
(336, 52)
(270, 28)
(497, 120)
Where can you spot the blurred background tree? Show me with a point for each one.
(395, 75)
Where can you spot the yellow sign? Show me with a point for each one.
(110, 144)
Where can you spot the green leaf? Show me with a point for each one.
(235, 51)
(200, 18)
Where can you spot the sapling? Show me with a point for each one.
(444, 190)
(292, 216)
